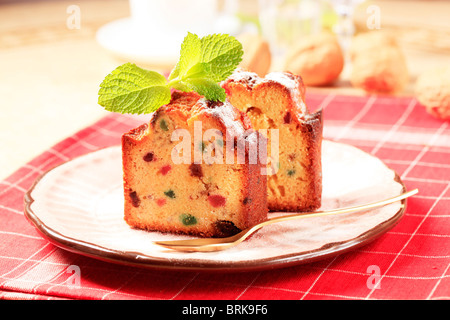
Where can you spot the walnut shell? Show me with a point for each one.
(433, 92)
(257, 56)
(318, 59)
(378, 64)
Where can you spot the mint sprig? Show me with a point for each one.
(203, 63)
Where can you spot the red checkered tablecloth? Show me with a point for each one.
(411, 261)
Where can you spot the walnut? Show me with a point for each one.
(257, 57)
(433, 92)
(318, 59)
(378, 64)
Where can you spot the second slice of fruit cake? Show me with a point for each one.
(277, 101)
(167, 188)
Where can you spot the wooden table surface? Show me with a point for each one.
(49, 74)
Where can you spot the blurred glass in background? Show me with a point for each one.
(283, 22)
(344, 27)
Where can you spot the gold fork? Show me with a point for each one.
(217, 244)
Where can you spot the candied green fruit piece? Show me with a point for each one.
(169, 193)
(202, 146)
(163, 125)
(219, 142)
(188, 219)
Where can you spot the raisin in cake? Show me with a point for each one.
(277, 102)
(168, 189)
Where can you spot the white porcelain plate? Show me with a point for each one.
(78, 206)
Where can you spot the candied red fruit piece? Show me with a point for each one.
(196, 170)
(149, 157)
(165, 169)
(287, 117)
(216, 201)
(135, 201)
(161, 202)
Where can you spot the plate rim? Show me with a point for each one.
(137, 259)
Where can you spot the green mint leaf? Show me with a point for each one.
(208, 88)
(130, 89)
(223, 53)
(175, 72)
(213, 57)
(199, 70)
(190, 53)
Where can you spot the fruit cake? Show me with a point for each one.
(181, 175)
(277, 101)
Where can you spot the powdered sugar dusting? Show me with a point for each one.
(292, 84)
(225, 111)
(286, 79)
(245, 77)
